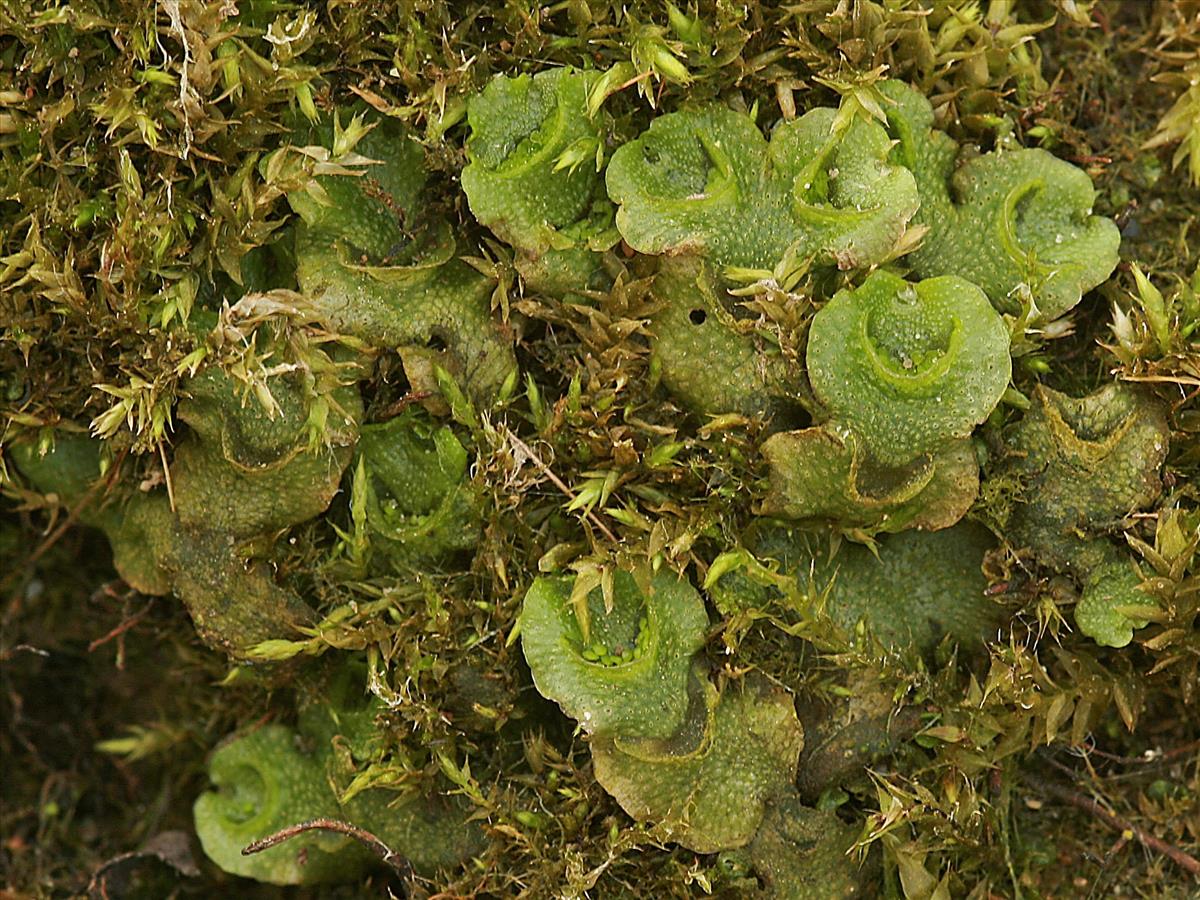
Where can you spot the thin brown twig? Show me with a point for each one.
(557, 482)
(395, 861)
(1152, 757)
(1184, 860)
(1171, 379)
(394, 409)
(121, 627)
(632, 81)
(7, 653)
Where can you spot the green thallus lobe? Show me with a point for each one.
(1016, 222)
(903, 373)
(533, 176)
(627, 668)
(1085, 463)
(274, 777)
(381, 266)
(706, 181)
(908, 367)
(911, 589)
(417, 500)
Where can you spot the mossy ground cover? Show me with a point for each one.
(327, 330)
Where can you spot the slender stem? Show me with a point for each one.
(396, 862)
(1184, 860)
(557, 482)
(1156, 757)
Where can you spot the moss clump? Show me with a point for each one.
(242, 473)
